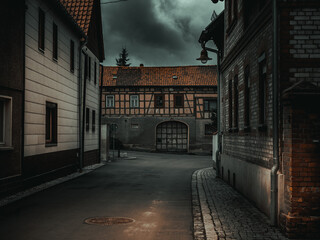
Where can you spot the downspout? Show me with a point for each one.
(81, 136)
(100, 111)
(83, 114)
(275, 168)
(23, 92)
(218, 152)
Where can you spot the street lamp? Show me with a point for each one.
(204, 56)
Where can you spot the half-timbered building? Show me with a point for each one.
(161, 108)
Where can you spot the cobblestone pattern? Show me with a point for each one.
(232, 216)
(198, 225)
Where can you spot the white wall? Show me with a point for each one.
(48, 80)
(92, 102)
(248, 174)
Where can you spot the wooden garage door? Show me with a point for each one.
(172, 137)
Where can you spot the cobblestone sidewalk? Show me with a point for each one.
(220, 212)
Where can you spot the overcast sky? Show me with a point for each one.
(156, 32)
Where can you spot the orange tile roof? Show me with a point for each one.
(81, 11)
(160, 76)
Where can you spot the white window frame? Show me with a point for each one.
(7, 121)
(134, 101)
(110, 101)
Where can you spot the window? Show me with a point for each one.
(109, 101)
(236, 101)
(232, 12)
(93, 120)
(41, 30)
(251, 9)
(51, 123)
(159, 100)
(134, 125)
(89, 68)
(246, 97)
(55, 41)
(95, 72)
(230, 104)
(210, 129)
(5, 121)
(262, 88)
(229, 12)
(134, 101)
(178, 101)
(235, 9)
(71, 56)
(209, 105)
(87, 119)
(86, 66)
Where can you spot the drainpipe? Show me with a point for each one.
(218, 152)
(100, 111)
(83, 113)
(275, 168)
(81, 136)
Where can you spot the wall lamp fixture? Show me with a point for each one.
(204, 56)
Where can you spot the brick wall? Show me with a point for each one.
(301, 167)
(300, 82)
(253, 145)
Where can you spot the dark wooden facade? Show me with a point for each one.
(12, 91)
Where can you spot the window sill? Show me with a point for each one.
(51, 144)
(6, 148)
(55, 60)
(262, 127)
(41, 50)
(235, 129)
(247, 128)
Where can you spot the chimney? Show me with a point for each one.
(141, 65)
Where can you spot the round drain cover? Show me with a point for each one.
(106, 221)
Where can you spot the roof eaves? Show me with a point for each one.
(63, 11)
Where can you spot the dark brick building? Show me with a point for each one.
(270, 118)
(161, 108)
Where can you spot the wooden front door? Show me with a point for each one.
(172, 136)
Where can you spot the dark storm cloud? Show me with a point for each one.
(155, 32)
(135, 21)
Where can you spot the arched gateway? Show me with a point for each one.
(172, 136)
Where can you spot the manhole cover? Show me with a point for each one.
(106, 221)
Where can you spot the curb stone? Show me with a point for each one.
(41, 187)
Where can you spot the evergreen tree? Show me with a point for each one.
(123, 58)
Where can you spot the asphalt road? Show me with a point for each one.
(153, 189)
